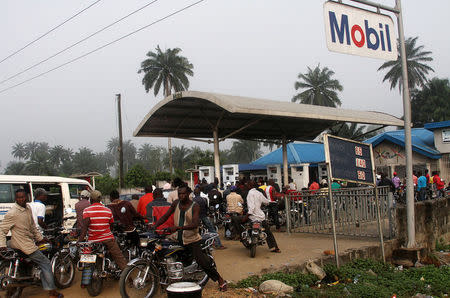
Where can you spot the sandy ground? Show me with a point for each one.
(234, 263)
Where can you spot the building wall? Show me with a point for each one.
(390, 157)
(443, 147)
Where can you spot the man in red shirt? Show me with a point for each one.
(144, 200)
(96, 222)
(314, 186)
(439, 184)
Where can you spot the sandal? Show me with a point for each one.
(276, 250)
(223, 287)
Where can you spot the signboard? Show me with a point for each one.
(356, 31)
(446, 136)
(349, 160)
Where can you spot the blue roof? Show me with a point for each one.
(422, 141)
(437, 125)
(297, 153)
(251, 167)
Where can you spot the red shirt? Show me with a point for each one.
(314, 186)
(143, 202)
(439, 184)
(101, 217)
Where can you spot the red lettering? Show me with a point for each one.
(361, 42)
(361, 175)
(358, 150)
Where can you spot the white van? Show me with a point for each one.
(63, 194)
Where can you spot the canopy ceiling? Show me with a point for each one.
(193, 114)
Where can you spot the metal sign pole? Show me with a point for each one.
(377, 202)
(333, 222)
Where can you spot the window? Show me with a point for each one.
(7, 191)
(76, 189)
(6, 194)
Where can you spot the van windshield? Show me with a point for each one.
(76, 189)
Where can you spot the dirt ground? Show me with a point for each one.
(234, 263)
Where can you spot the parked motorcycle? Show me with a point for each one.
(96, 265)
(163, 263)
(252, 236)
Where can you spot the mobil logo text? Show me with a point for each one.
(359, 32)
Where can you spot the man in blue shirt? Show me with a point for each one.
(421, 186)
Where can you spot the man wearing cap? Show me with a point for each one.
(396, 180)
(96, 223)
(38, 208)
(82, 204)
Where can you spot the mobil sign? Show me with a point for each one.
(359, 32)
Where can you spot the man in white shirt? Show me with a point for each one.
(38, 208)
(254, 201)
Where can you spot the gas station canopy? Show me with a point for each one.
(195, 115)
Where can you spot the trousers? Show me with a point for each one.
(43, 262)
(203, 260)
(116, 253)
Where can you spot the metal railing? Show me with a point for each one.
(355, 212)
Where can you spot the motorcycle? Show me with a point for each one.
(228, 225)
(96, 265)
(129, 249)
(252, 236)
(216, 216)
(163, 262)
(17, 271)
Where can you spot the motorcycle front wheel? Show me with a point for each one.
(139, 280)
(96, 285)
(63, 270)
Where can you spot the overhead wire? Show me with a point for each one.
(48, 32)
(78, 42)
(103, 46)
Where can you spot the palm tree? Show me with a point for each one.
(180, 155)
(417, 69)
(349, 131)
(319, 88)
(170, 70)
(19, 151)
(246, 151)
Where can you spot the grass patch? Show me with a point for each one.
(363, 278)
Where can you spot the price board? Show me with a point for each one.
(349, 160)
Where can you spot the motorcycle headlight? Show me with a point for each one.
(143, 242)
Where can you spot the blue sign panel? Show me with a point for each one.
(350, 160)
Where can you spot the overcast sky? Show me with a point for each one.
(250, 48)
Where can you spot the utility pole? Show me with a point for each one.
(120, 149)
(410, 217)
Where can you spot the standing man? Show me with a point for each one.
(38, 208)
(96, 223)
(396, 181)
(254, 201)
(144, 200)
(24, 234)
(422, 186)
(135, 201)
(273, 205)
(187, 219)
(158, 201)
(439, 184)
(173, 195)
(82, 204)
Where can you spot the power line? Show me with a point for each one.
(103, 46)
(50, 31)
(78, 42)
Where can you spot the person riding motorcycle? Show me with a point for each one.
(254, 201)
(235, 207)
(96, 222)
(187, 218)
(24, 236)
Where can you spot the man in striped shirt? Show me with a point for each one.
(97, 220)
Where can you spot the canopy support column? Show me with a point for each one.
(216, 155)
(285, 163)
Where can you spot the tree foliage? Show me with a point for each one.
(168, 69)
(432, 103)
(318, 87)
(416, 60)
